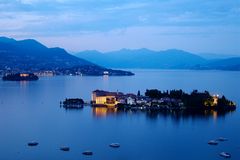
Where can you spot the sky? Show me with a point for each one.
(200, 26)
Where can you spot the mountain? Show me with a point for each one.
(232, 64)
(143, 58)
(168, 59)
(30, 55)
(212, 56)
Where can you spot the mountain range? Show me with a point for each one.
(30, 55)
(167, 59)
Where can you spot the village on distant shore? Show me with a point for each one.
(156, 100)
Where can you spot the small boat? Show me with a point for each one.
(64, 148)
(225, 155)
(115, 145)
(88, 153)
(33, 143)
(213, 142)
(222, 139)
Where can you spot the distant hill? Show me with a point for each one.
(214, 56)
(143, 58)
(232, 64)
(168, 59)
(30, 55)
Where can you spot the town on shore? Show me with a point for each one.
(156, 100)
(31, 76)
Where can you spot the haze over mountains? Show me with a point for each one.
(211, 56)
(168, 59)
(30, 55)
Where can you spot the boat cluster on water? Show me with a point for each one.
(66, 148)
(215, 142)
(117, 145)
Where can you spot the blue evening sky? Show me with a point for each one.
(211, 26)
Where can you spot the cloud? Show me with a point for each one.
(40, 1)
(154, 37)
(109, 21)
(128, 6)
(143, 18)
(28, 1)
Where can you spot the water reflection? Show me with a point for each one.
(154, 115)
(181, 115)
(103, 111)
(140, 133)
(23, 84)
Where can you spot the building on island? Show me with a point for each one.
(159, 101)
(24, 74)
(111, 99)
(215, 99)
(104, 98)
(131, 99)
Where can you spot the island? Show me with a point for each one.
(72, 103)
(174, 103)
(156, 100)
(20, 77)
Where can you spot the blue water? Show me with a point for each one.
(30, 111)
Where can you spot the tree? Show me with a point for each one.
(138, 94)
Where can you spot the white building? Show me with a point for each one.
(131, 101)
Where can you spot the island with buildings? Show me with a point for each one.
(20, 77)
(156, 100)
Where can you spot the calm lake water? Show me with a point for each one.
(30, 111)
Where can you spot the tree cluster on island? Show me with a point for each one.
(195, 100)
(72, 103)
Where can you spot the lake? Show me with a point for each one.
(31, 111)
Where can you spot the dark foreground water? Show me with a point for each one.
(30, 111)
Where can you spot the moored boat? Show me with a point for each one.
(65, 148)
(213, 142)
(222, 139)
(88, 153)
(114, 145)
(32, 143)
(225, 155)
